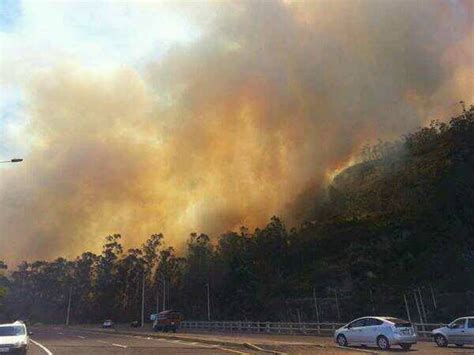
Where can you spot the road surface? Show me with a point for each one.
(58, 341)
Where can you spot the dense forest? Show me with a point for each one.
(399, 223)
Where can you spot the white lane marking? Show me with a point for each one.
(80, 336)
(232, 351)
(120, 346)
(203, 345)
(184, 342)
(46, 350)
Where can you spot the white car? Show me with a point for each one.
(381, 331)
(458, 332)
(13, 338)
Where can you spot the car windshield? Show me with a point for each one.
(12, 331)
(458, 323)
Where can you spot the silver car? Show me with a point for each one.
(458, 332)
(381, 331)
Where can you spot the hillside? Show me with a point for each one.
(431, 172)
(401, 220)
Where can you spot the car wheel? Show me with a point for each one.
(382, 343)
(341, 340)
(459, 345)
(405, 346)
(441, 341)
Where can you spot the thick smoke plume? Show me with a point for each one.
(242, 124)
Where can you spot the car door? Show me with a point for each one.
(456, 331)
(469, 335)
(370, 331)
(355, 331)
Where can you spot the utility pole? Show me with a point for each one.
(164, 293)
(143, 299)
(69, 306)
(422, 306)
(433, 296)
(208, 303)
(418, 306)
(316, 308)
(419, 312)
(157, 301)
(337, 306)
(406, 306)
(316, 304)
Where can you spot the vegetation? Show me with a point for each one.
(400, 220)
(3, 282)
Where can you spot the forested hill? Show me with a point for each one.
(400, 220)
(431, 171)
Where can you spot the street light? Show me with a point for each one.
(16, 160)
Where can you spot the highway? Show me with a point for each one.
(48, 340)
(57, 341)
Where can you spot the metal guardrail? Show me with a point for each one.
(422, 329)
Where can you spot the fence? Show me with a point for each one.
(327, 329)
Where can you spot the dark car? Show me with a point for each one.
(167, 321)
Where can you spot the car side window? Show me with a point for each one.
(372, 322)
(470, 323)
(457, 324)
(358, 323)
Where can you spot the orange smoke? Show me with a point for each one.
(245, 123)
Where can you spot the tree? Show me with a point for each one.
(3, 283)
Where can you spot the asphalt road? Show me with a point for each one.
(57, 341)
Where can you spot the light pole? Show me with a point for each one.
(164, 293)
(143, 300)
(69, 306)
(208, 303)
(15, 160)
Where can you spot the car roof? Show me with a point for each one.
(12, 324)
(382, 318)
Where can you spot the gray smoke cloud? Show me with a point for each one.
(248, 121)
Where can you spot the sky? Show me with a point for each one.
(40, 35)
(189, 116)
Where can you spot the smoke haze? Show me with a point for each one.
(245, 122)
